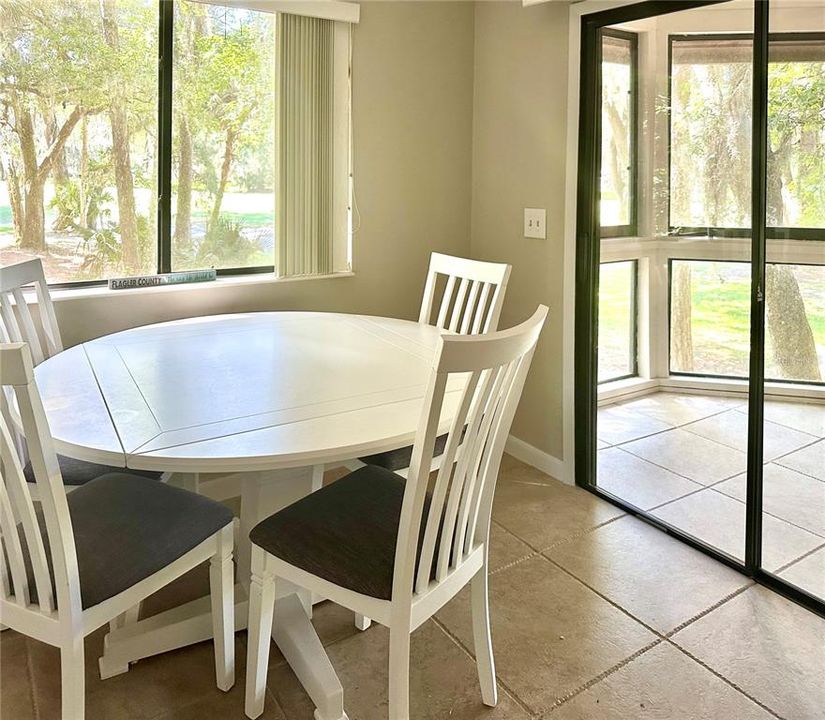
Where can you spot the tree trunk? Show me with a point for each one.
(794, 348)
(119, 121)
(83, 220)
(681, 333)
(34, 217)
(183, 214)
(228, 150)
(15, 199)
(33, 236)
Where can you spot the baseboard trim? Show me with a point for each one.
(539, 459)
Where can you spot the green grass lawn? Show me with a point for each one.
(720, 316)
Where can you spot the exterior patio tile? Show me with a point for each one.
(641, 483)
(692, 456)
(808, 574)
(807, 417)
(719, 521)
(618, 424)
(678, 408)
(731, 429)
(809, 460)
(787, 494)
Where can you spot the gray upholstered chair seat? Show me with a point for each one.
(345, 532)
(401, 458)
(127, 528)
(79, 472)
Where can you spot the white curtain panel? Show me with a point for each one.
(305, 145)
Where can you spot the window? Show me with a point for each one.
(710, 135)
(618, 112)
(78, 137)
(110, 167)
(710, 320)
(223, 135)
(617, 320)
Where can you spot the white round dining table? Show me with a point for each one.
(263, 400)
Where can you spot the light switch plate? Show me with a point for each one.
(534, 223)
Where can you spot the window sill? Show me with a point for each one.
(225, 281)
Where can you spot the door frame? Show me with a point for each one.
(582, 346)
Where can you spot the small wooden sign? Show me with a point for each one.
(175, 278)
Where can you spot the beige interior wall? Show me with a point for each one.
(412, 120)
(519, 136)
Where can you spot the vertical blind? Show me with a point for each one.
(305, 145)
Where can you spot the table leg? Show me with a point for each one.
(262, 495)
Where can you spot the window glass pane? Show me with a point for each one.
(78, 137)
(796, 131)
(710, 133)
(223, 137)
(795, 322)
(710, 317)
(617, 119)
(617, 342)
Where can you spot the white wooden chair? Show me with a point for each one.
(393, 550)
(471, 302)
(18, 325)
(84, 559)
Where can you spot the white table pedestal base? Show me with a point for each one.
(262, 494)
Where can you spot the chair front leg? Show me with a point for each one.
(482, 638)
(259, 631)
(73, 679)
(222, 591)
(399, 691)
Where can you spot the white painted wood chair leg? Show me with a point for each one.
(362, 622)
(482, 638)
(399, 692)
(259, 631)
(222, 592)
(73, 679)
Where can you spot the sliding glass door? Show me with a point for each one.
(700, 317)
(793, 486)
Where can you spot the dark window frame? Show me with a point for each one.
(166, 35)
(772, 233)
(631, 229)
(634, 322)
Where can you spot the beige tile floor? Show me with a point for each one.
(595, 615)
(682, 458)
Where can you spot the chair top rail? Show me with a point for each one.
(16, 321)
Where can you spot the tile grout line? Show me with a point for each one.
(793, 562)
(707, 611)
(724, 679)
(601, 676)
(512, 693)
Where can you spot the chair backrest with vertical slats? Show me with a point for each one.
(472, 297)
(25, 578)
(16, 321)
(494, 367)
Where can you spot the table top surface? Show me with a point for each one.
(244, 392)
